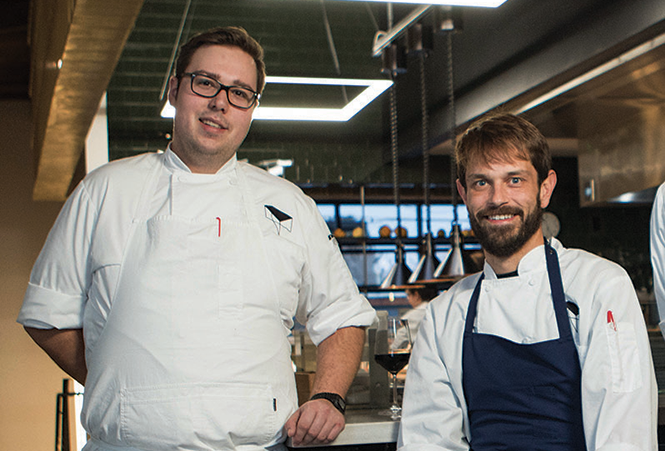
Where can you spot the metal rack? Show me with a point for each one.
(65, 417)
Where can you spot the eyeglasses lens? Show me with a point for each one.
(209, 87)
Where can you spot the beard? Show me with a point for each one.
(502, 240)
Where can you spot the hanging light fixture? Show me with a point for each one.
(399, 274)
(419, 39)
(458, 263)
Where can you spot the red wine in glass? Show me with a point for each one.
(392, 350)
(393, 363)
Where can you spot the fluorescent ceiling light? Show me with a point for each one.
(374, 88)
(481, 3)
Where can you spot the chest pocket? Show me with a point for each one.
(287, 262)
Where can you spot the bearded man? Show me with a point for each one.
(546, 348)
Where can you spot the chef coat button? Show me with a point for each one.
(531, 282)
(487, 289)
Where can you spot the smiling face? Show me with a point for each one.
(208, 131)
(505, 203)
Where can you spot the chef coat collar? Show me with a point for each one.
(531, 262)
(174, 164)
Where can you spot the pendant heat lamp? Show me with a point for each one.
(398, 276)
(420, 41)
(426, 269)
(458, 263)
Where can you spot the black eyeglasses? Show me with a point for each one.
(205, 86)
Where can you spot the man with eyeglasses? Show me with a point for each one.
(169, 283)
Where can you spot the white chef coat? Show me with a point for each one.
(414, 317)
(657, 244)
(74, 281)
(619, 393)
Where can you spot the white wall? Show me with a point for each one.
(29, 381)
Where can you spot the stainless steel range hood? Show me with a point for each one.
(618, 118)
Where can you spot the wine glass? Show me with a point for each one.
(392, 350)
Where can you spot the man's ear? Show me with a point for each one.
(547, 188)
(173, 90)
(461, 190)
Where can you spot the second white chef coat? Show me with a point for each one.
(75, 281)
(657, 244)
(415, 316)
(619, 393)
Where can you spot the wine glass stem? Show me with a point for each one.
(395, 405)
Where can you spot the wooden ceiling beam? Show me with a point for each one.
(75, 48)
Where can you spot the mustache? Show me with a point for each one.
(499, 211)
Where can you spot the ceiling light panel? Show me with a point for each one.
(480, 3)
(369, 90)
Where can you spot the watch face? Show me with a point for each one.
(551, 225)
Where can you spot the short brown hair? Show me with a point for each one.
(501, 137)
(233, 36)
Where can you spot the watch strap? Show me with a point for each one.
(335, 399)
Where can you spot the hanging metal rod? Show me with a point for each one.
(333, 50)
(383, 39)
(174, 51)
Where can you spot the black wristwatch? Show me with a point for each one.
(334, 398)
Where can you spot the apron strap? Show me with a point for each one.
(473, 306)
(558, 296)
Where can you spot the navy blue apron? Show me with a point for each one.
(524, 397)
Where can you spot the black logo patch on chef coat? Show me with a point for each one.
(279, 218)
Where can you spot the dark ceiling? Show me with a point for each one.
(14, 51)
(489, 44)
(501, 57)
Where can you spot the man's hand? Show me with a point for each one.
(316, 422)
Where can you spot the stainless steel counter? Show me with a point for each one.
(365, 426)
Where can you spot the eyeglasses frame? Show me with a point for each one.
(223, 87)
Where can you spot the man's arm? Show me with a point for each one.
(432, 414)
(337, 361)
(65, 347)
(619, 392)
(56, 295)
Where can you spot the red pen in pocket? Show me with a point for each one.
(610, 320)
